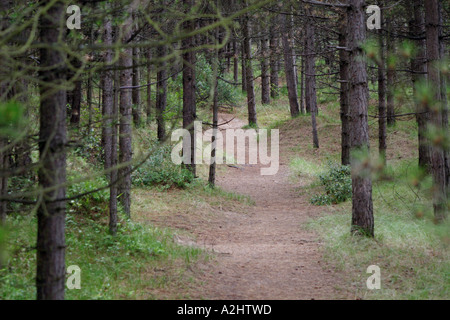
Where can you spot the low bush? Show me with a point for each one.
(159, 170)
(337, 182)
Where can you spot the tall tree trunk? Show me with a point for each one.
(136, 92)
(3, 181)
(436, 110)
(362, 207)
(114, 188)
(265, 78)
(390, 76)
(125, 136)
(76, 98)
(419, 67)
(381, 100)
(310, 84)
(251, 102)
(274, 42)
(443, 87)
(243, 68)
(302, 85)
(235, 62)
(109, 120)
(161, 93)
(212, 166)
(89, 102)
(149, 87)
(51, 213)
(344, 91)
(289, 67)
(189, 103)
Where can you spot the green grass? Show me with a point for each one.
(111, 267)
(412, 252)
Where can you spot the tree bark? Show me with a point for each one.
(212, 166)
(436, 111)
(149, 87)
(289, 67)
(302, 85)
(189, 101)
(109, 122)
(390, 76)
(274, 42)
(443, 92)
(419, 67)
(362, 207)
(310, 83)
(76, 99)
(235, 62)
(243, 68)
(125, 127)
(113, 190)
(265, 78)
(50, 272)
(136, 92)
(3, 181)
(381, 100)
(251, 102)
(161, 93)
(344, 91)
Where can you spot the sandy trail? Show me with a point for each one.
(264, 253)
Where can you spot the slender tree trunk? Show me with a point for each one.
(228, 56)
(189, 103)
(149, 87)
(381, 100)
(344, 91)
(3, 181)
(136, 92)
(436, 111)
(310, 84)
(289, 67)
(125, 146)
(362, 207)
(243, 68)
(109, 124)
(443, 92)
(161, 94)
(51, 213)
(265, 78)
(302, 85)
(251, 101)
(76, 99)
(390, 76)
(419, 67)
(212, 166)
(89, 102)
(235, 62)
(274, 42)
(113, 190)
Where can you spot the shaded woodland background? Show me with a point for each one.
(86, 115)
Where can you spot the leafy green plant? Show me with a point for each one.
(337, 182)
(159, 170)
(89, 147)
(93, 204)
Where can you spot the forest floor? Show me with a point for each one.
(262, 252)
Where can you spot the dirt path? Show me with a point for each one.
(264, 253)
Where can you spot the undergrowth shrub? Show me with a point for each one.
(337, 182)
(93, 204)
(159, 170)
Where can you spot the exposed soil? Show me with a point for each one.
(264, 253)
